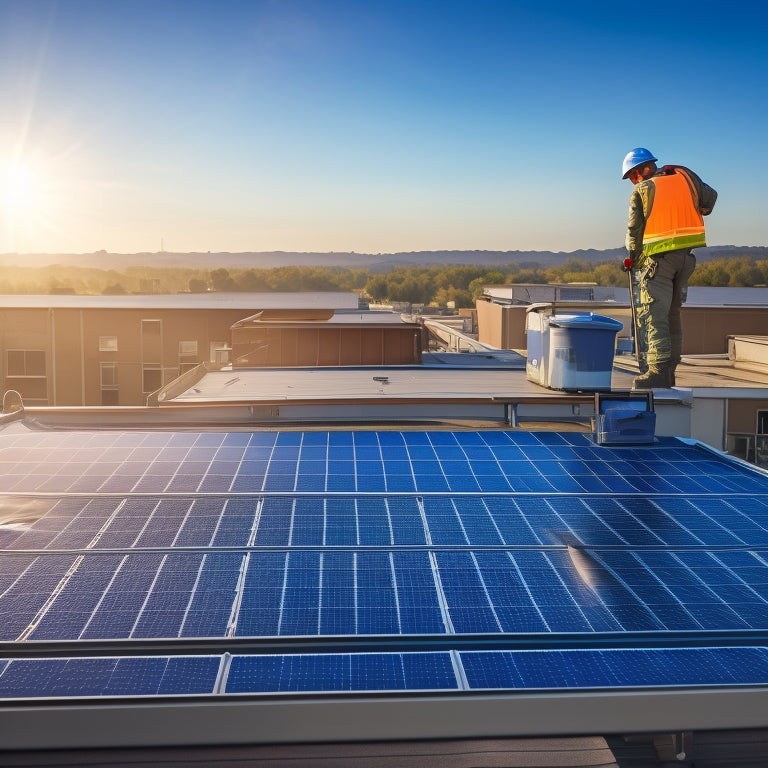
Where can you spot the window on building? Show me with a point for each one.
(187, 356)
(25, 362)
(761, 439)
(187, 349)
(152, 378)
(25, 372)
(151, 342)
(107, 343)
(109, 387)
(108, 375)
(218, 352)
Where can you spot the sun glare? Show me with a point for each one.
(22, 192)
(29, 205)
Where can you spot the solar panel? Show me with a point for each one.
(494, 670)
(405, 536)
(109, 676)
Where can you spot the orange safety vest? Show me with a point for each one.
(674, 220)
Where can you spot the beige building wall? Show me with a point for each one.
(117, 355)
(705, 329)
(104, 356)
(501, 325)
(25, 341)
(66, 361)
(283, 345)
(742, 415)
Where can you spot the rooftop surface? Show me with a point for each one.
(443, 376)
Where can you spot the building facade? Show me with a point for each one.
(92, 350)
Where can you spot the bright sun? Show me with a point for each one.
(29, 205)
(22, 193)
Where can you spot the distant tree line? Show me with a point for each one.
(434, 284)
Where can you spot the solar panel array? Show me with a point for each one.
(476, 560)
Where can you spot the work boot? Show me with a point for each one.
(657, 377)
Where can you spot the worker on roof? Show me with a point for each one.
(664, 225)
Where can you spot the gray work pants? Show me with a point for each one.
(660, 290)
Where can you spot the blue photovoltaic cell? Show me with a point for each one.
(71, 524)
(165, 608)
(200, 523)
(405, 522)
(77, 598)
(124, 599)
(189, 675)
(392, 533)
(259, 613)
(375, 523)
(109, 676)
(341, 672)
(210, 608)
(307, 593)
(55, 677)
(11, 565)
(21, 602)
(236, 522)
(135, 677)
(162, 526)
(583, 669)
(616, 668)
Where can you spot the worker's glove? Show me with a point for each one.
(627, 264)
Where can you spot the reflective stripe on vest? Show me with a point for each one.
(674, 221)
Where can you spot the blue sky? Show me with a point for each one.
(372, 126)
